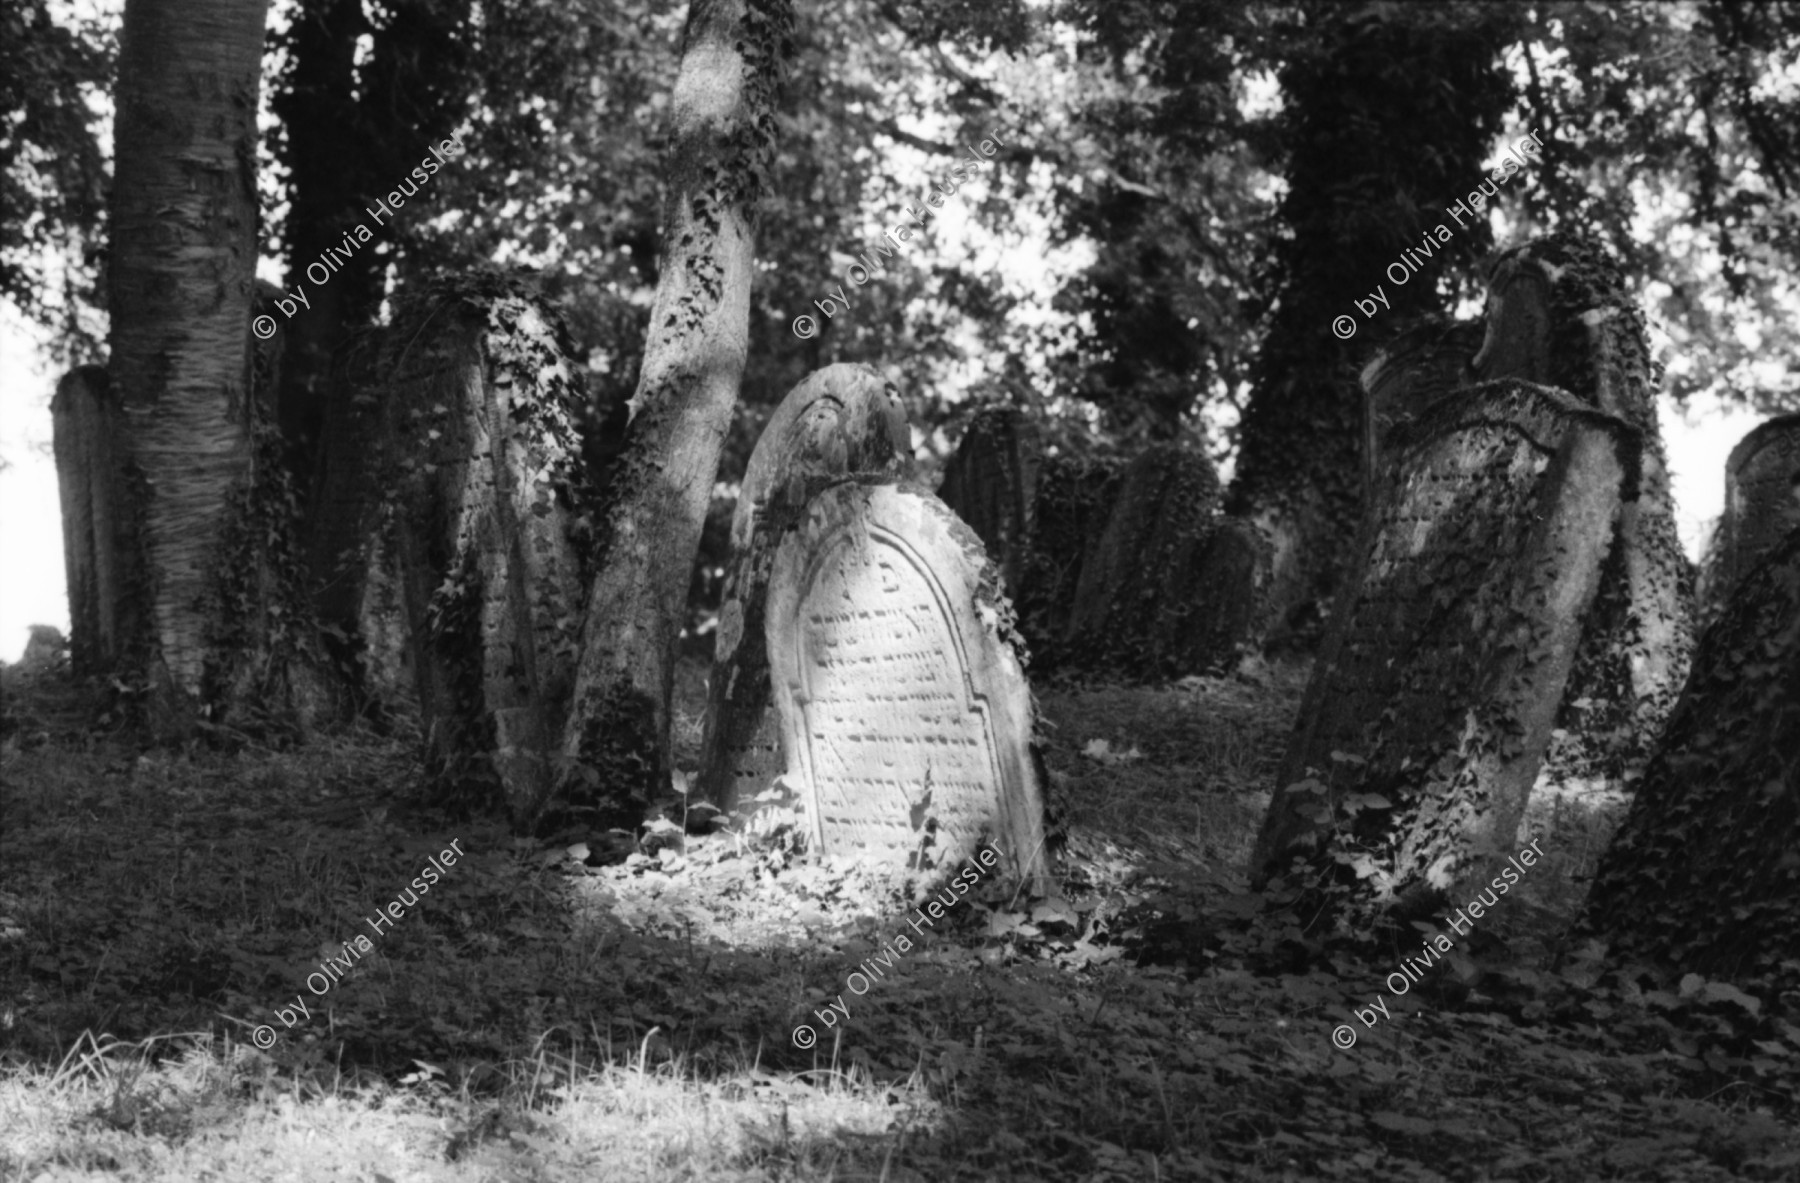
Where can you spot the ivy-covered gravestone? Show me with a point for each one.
(1560, 313)
(1762, 503)
(1704, 875)
(1169, 587)
(1074, 500)
(468, 574)
(991, 483)
(1414, 370)
(905, 714)
(840, 421)
(1450, 650)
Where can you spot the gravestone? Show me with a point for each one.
(1414, 370)
(1450, 650)
(839, 421)
(906, 717)
(466, 569)
(81, 415)
(991, 483)
(1135, 601)
(1700, 875)
(1560, 313)
(1762, 502)
(1074, 499)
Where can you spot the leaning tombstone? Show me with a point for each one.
(465, 519)
(1559, 313)
(991, 483)
(1762, 502)
(842, 420)
(81, 413)
(1700, 876)
(905, 714)
(1419, 366)
(1134, 603)
(1069, 514)
(1450, 650)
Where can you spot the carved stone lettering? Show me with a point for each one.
(905, 713)
(844, 420)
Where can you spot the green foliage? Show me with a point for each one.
(51, 173)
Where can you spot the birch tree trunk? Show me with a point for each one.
(615, 743)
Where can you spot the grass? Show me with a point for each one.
(546, 1012)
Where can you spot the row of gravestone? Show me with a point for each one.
(1520, 615)
(1119, 568)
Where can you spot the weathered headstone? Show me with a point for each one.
(1559, 313)
(81, 414)
(906, 717)
(1074, 500)
(1432, 701)
(991, 483)
(1414, 370)
(1762, 502)
(1700, 875)
(842, 420)
(1134, 603)
(465, 523)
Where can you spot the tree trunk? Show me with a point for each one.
(184, 218)
(1354, 210)
(723, 111)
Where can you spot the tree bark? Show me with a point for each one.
(724, 135)
(184, 215)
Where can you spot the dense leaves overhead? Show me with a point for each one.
(52, 178)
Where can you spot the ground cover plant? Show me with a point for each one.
(622, 1006)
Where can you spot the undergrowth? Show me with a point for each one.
(625, 1005)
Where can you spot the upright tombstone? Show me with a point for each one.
(465, 539)
(1700, 876)
(1762, 502)
(1074, 500)
(1451, 648)
(1135, 602)
(81, 415)
(1421, 365)
(840, 421)
(1559, 313)
(991, 483)
(905, 713)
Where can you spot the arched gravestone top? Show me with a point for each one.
(1762, 498)
(1137, 583)
(1419, 366)
(905, 713)
(841, 420)
(991, 483)
(1701, 872)
(1450, 647)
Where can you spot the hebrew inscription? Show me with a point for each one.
(905, 714)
